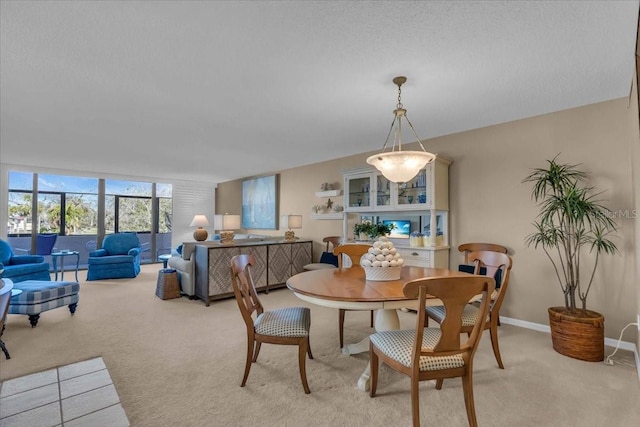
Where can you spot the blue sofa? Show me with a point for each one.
(19, 268)
(118, 258)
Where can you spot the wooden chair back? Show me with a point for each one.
(492, 262)
(455, 293)
(353, 251)
(474, 247)
(334, 241)
(244, 288)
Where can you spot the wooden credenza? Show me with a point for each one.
(276, 261)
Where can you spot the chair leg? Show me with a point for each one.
(4, 350)
(415, 401)
(248, 362)
(302, 358)
(375, 364)
(309, 348)
(341, 326)
(493, 333)
(371, 319)
(467, 386)
(2, 346)
(257, 351)
(439, 384)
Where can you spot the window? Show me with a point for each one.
(68, 206)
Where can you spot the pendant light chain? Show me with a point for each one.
(396, 165)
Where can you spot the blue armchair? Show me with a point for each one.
(119, 258)
(19, 268)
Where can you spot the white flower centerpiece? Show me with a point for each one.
(382, 262)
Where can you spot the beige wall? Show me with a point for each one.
(489, 202)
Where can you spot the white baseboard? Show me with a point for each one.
(624, 345)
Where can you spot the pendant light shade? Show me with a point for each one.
(397, 165)
(400, 166)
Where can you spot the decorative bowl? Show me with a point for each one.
(381, 274)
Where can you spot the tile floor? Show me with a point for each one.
(80, 394)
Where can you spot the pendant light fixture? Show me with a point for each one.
(397, 165)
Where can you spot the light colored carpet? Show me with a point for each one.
(177, 362)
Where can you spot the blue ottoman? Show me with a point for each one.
(38, 296)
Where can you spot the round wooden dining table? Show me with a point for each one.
(349, 289)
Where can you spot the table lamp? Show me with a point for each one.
(291, 222)
(226, 224)
(200, 221)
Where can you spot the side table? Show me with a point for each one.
(164, 258)
(167, 286)
(61, 255)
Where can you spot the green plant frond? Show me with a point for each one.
(554, 178)
(600, 243)
(548, 237)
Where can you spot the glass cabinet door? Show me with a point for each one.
(383, 191)
(413, 194)
(358, 191)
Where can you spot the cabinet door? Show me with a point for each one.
(384, 192)
(300, 256)
(358, 189)
(220, 270)
(279, 259)
(259, 269)
(414, 194)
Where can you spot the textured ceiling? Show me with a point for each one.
(215, 91)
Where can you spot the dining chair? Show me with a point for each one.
(498, 266)
(427, 353)
(286, 326)
(468, 266)
(354, 252)
(327, 259)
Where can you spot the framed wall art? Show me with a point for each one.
(260, 203)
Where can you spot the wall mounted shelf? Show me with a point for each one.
(329, 193)
(334, 215)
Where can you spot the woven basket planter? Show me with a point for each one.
(578, 334)
(382, 273)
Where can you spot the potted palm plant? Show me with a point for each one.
(572, 229)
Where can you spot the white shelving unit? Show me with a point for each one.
(425, 198)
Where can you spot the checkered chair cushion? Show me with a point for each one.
(38, 296)
(469, 314)
(284, 322)
(398, 345)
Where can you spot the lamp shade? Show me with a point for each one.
(199, 221)
(291, 221)
(226, 222)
